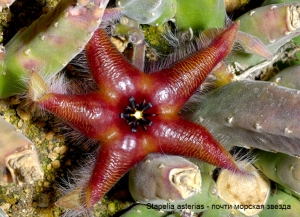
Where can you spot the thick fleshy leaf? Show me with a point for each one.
(281, 168)
(253, 114)
(197, 16)
(288, 77)
(49, 43)
(274, 25)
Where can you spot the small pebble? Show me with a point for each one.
(111, 207)
(3, 105)
(120, 45)
(56, 164)
(5, 206)
(41, 124)
(20, 124)
(49, 135)
(49, 166)
(38, 141)
(27, 191)
(63, 149)
(69, 162)
(23, 115)
(40, 183)
(14, 101)
(50, 146)
(43, 200)
(60, 150)
(52, 156)
(34, 204)
(46, 184)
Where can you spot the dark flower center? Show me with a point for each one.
(135, 114)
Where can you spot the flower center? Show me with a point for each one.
(135, 114)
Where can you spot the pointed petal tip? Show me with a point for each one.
(92, 196)
(228, 36)
(240, 168)
(223, 43)
(235, 25)
(253, 45)
(232, 30)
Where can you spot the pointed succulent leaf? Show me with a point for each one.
(253, 45)
(249, 43)
(274, 25)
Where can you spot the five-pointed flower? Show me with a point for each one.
(133, 113)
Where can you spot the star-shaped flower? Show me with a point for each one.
(133, 114)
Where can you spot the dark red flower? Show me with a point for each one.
(133, 114)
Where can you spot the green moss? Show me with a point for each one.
(154, 36)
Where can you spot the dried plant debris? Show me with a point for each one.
(19, 159)
(248, 191)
